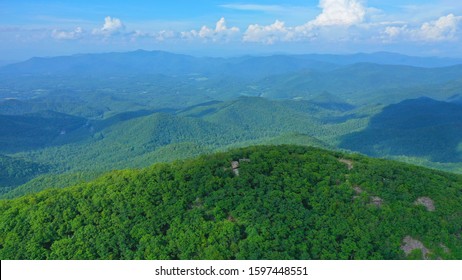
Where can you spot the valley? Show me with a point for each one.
(99, 112)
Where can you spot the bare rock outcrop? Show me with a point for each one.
(427, 202)
(377, 201)
(410, 244)
(348, 162)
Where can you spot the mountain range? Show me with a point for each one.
(91, 113)
(155, 155)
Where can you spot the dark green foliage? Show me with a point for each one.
(288, 202)
(420, 128)
(19, 133)
(49, 181)
(14, 172)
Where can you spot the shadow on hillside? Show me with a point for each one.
(417, 127)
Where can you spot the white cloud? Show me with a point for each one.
(67, 35)
(444, 28)
(335, 14)
(221, 32)
(340, 12)
(111, 26)
(267, 34)
(165, 35)
(395, 31)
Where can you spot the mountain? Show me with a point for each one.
(386, 58)
(137, 62)
(158, 62)
(165, 63)
(32, 131)
(92, 85)
(419, 127)
(364, 83)
(15, 172)
(279, 202)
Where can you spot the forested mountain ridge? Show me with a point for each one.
(284, 202)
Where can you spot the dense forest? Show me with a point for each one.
(261, 202)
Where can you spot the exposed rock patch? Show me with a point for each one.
(358, 189)
(348, 162)
(410, 244)
(427, 202)
(235, 164)
(377, 201)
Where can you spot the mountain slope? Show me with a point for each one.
(287, 202)
(419, 127)
(32, 131)
(14, 172)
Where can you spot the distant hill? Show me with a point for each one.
(38, 130)
(279, 202)
(142, 80)
(15, 172)
(158, 62)
(419, 127)
(330, 101)
(386, 58)
(139, 138)
(364, 83)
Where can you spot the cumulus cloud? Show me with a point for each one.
(221, 32)
(335, 14)
(111, 26)
(340, 12)
(267, 34)
(165, 35)
(444, 28)
(67, 35)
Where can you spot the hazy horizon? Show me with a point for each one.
(4, 62)
(231, 28)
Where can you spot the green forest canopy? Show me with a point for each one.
(287, 202)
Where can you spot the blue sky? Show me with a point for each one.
(226, 28)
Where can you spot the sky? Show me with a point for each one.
(230, 28)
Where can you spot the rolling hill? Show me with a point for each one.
(38, 130)
(283, 202)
